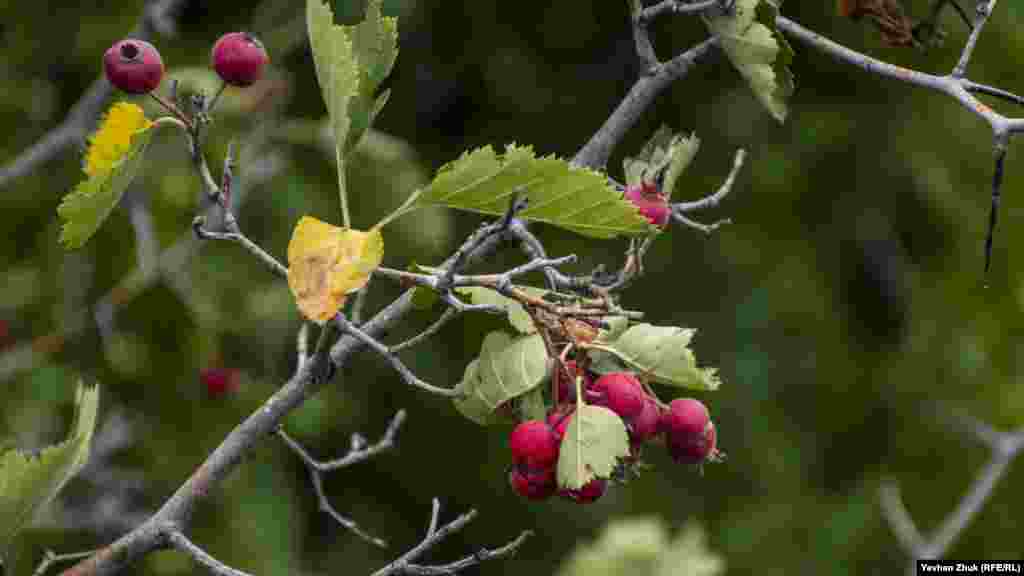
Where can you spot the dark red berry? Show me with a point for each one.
(134, 66)
(652, 203)
(694, 449)
(534, 445)
(219, 381)
(533, 485)
(239, 58)
(621, 393)
(590, 492)
(644, 425)
(559, 421)
(685, 417)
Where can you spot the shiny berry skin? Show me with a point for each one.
(533, 485)
(134, 66)
(685, 416)
(534, 445)
(590, 492)
(239, 58)
(694, 449)
(219, 381)
(621, 393)
(644, 425)
(652, 203)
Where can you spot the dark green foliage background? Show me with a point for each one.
(844, 305)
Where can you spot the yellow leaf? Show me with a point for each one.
(327, 263)
(113, 140)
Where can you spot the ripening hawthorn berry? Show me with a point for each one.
(559, 421)
(644, 425)
(219, 381)
(534, 445)
(134, 66)
(590, 492)
(239, 58)
(652, 203)
(621, 393)
(533, 485)
(694, 449)
(689, 432)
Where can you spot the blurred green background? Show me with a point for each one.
(845, 307)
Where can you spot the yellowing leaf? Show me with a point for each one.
(758, 51)
(327, 263)
(29, 482)
(113, 159)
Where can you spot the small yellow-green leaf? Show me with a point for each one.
(659, 352)
(506, 368)
(594, 442)
(29, 482)
(113, 159)
(758, 51)
(337, 71)
(327, 263)
(558, 193)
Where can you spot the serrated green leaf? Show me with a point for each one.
(758, 51)
(506, 368)
(375, 43)
(560, 194)
(85, 209)
(517, 315)
(337, 71)
(531, 405)
(660, 352)
(594, 442)
(29, 482)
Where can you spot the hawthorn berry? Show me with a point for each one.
(644, 425)
(558, 421)
(590, 492)
(689, 432)
(533, 485)
(621, 393)
(239, 58)
(652, 203)
(694, 449)
(534, 445)
(219, 381)
(134, 66)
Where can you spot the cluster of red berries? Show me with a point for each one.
(652, 204)
(685, 425)
(135, 65)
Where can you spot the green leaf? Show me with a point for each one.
(571, 197)
(87, 206)
(531, 405)
(375, 41)
(660, 352)
(758, 51)
(662, 159)
(506, 368)
(337, 70)
(29, 482)
(594, 442)
(517, 315)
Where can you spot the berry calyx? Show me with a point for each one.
(621, 393)
(590, 492)
(533, 485)
(239, 58)
(534, 445)
(652, 204)
(134, 66)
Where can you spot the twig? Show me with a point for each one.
(266, 259)
(358, 453)
(997, 194)
(434, 328)
(1003, 447)
(157, 17)
(50, 558)
(404, 564)
(993, 91)
(181, 543)
(983, 11)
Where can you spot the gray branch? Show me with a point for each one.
(180, 542)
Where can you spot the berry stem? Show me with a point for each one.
(170, 107)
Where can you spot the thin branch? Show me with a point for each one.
(181, 543)
(50, 558)
(156, 17)
(404, 564)
(431, 330)
(997, 195)
(265, 258)
(715, 199)
(677, 7)
(359, 452)
(993, 91)
(983, 11)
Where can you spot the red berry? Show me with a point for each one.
(533, 485)
(238, 58)
(652, 203)
(685, 417)
(219, 381)
(134, 66)
(621, 393)
(559, 421)
(590, 492)
(534, 445)
(694, 449)
(644, 425)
